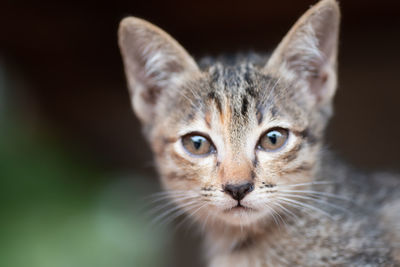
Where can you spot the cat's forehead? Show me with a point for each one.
(238, 78)
(236, 97)
(244, 89)
(245, 80)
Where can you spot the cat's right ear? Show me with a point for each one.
(154, 62)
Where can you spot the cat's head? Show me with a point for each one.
(232, 141)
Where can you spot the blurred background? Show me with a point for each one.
(74, 168)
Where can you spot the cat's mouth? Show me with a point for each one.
(240, 215)
(239, 207)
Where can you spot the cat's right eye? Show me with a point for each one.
(196, 144)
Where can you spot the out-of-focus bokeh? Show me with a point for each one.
(74, 168)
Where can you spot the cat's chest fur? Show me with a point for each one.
(239, 149)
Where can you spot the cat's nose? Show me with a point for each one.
(238, 191)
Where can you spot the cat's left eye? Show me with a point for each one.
(197, 144)
(273, 139)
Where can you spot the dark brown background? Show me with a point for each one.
(67, 54)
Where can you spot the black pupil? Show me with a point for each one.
(197, 141)
(273, 137)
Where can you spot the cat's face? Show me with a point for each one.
(232, 143)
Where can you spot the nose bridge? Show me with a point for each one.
(235, 169)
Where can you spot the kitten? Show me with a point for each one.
(238, 145)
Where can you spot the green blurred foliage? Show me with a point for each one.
(57, 210)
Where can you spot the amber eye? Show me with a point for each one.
(197, 144)
(273, 139)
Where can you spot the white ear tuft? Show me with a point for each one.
(309, 51)
(154, 62)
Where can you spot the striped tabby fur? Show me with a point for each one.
(303, 206)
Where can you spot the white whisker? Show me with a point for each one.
(316, 200)
(272, 214)
(172, 210)
(181, 211)
(304, 184)
(204, 224)
(285, 210)
(169, 202)
(197, 208)
(304, 205)
(174, 197)
(311, 192)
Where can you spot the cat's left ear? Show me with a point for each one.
(308, 53)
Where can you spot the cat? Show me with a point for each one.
(239, 148)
